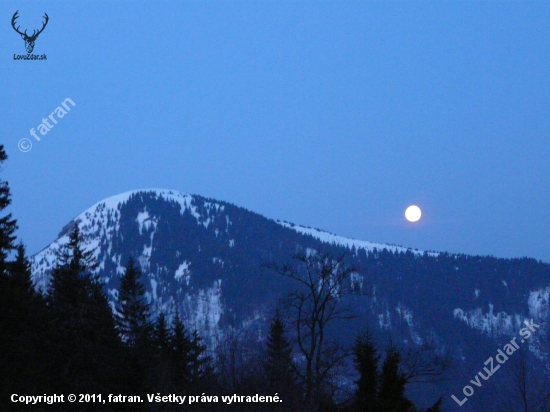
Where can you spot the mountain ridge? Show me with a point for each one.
(205, 258)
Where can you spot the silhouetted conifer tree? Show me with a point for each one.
(160, 369)
(8, 226)
(279, 368)
(87, 345)
(136, 331)
(21, 316)
(392, 384)
(20, 272)
(23, 344)
(181, 348)
(189, 363)
(366, 362)
(134, 312)
(161, 334)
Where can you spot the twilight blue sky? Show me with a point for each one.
(332, 114)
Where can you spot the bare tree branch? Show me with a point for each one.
(322, 281)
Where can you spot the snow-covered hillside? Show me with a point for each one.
(205, 258)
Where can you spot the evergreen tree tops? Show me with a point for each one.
(133, 311)
(391, 394)
(69, 341)
(161, 333)
(279, 368)
(187, 354)
(178, 357)
(72, 281)
(366, 362)
(381, 389)
(8, 226)
(22, 314)
(82, 323)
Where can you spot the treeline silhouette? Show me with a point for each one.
(71, 341)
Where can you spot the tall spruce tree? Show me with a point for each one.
(83, 328)
(279, 368)
(180, 355)
(136, 330)
(198, 360)
(161, 334)
(134, 312)
(20, 272)
(189, 363)
(16, 312)
(160, 372)
(366, 362)
(8, 225)
(392, 384)
(23, 343)
(381, 391)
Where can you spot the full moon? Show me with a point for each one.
(413, 213)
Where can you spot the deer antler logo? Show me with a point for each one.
(29, 40)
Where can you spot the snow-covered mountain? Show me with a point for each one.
(188, 248)
(205, 257)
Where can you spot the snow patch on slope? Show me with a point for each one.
(495, 324)
(406, 314)
(539, 304)
(184, 272)
(204, 311)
